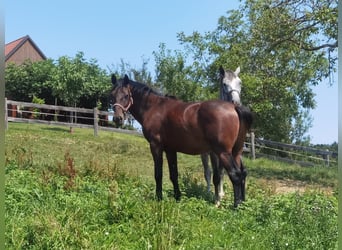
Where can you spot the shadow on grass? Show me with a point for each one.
(192, 189)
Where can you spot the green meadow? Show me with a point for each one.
(77, 191)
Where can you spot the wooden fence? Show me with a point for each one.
(51, 114)
(98, 120)
(302, 155)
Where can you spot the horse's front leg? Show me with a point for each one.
(157, 154)
(206, 170)
(173, 168)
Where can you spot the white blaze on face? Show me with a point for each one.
(233, 85)
(236, 90)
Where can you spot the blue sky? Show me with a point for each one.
(131, 30)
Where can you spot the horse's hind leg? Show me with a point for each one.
(218, 174)
(172, 161)
(243, 181)
(218, 168)
(235, 175)
(206, 169)
(238, 183)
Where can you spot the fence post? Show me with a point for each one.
(253, 145)
(6, 115)
(96, 125)
(327, 160)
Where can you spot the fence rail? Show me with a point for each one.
(16, 112)
(98, 120)
(302, 155)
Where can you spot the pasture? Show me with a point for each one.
(77, 191)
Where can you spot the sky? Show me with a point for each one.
(131, 30)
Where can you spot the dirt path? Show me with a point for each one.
(291, 186)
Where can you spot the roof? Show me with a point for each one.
(12, 47)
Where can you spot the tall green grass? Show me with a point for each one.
(77, 191)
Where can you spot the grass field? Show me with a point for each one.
(77, 191)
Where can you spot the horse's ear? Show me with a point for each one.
(237, 71)
(114, 81)
(222, 71)
(125, 80)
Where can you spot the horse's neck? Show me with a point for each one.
(135, 111)
(221, 92)
(141, 104)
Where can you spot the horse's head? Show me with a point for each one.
(231, 85)
(120, 99)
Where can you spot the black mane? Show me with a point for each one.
(140, 87)
(143, 88)
(170, 96)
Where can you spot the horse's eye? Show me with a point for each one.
(126, 97)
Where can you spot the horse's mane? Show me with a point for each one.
(171, 96)
(143, 88)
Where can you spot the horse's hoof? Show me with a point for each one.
(237, 203)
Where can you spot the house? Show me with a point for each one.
(19, 51)
(23, 49)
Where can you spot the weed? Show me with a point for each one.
(67, 169)
(23, 157)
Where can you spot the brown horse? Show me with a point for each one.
(171, 126)
(230, 89)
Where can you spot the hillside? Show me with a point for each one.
(72, 191)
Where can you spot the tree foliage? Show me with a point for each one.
(68, 80)
(174, 77)
(284, 48)
(138, 74)
(29, 79)
(75, 78)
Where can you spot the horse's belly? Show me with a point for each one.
(187, 145)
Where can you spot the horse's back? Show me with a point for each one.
(219, 121)
(214, 112)
(200, 125)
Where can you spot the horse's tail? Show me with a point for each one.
(246, 120)
(246, 116)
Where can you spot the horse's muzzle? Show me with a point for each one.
(118, 121)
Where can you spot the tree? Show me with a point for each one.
(138, 74)
(173, 76)
(69, 80)
(315, 19)
(75, 77)
(283, 47)
(29, 79)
